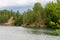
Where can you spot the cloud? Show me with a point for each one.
(5, 3)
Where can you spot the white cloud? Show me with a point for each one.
(4, 3)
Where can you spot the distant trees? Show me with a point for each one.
(28, 17)
(38, 11)
(36, 15)
(18, 18)
(49, 16)
(4, 16)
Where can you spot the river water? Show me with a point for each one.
(21, 33)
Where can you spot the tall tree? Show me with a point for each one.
(39, 13)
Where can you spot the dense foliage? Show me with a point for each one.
(37, 17)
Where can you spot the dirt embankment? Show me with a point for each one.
(10, 21)
(37, 25)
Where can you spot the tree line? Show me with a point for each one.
(47, 17)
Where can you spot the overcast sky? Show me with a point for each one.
(5, 3)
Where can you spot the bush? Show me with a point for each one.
(58, 21)
(58, 31)
(51, 24)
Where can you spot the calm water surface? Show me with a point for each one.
(21, 33)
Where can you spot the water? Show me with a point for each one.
(21, 33)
